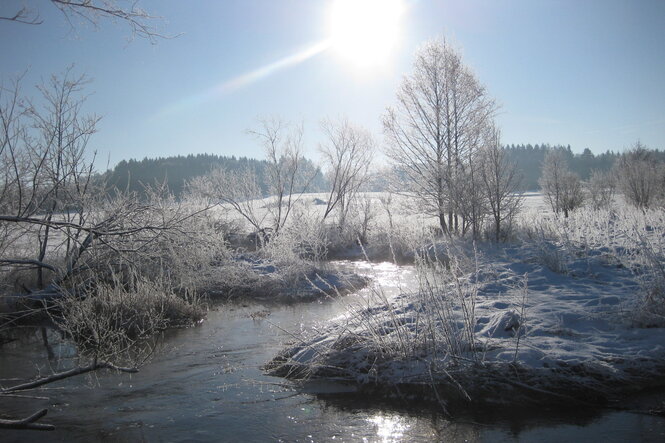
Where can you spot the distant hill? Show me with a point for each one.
(132, 175)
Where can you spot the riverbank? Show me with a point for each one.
(505, 325)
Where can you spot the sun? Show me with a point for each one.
(365, 32)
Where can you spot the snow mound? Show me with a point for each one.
(502, 324)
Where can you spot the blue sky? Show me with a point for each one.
(586, 73)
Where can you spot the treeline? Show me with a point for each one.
(529, 159)
(175, 172)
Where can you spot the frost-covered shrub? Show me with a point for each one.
(640, 177)
(114, 322)
(561, 187)
(650, 306)
(179, 242)
(303, 240)
(448, 294)
(601, 189)
(191, 261)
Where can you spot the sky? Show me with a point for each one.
(589, 74)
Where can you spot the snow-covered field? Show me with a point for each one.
(570, 311)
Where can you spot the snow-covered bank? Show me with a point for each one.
(251, 277)
(542, 321)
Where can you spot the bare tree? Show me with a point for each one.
(91, 11)
(640, 177)
(366, 213)
(470, 199)
(562, 188)
(47, 176)
(601, 189)
(240, 190)
(435, 128)
(287, 179)
(60, 146)
(61, 227)
(501, 180)
(347, 155)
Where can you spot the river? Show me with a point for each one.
(205, 383)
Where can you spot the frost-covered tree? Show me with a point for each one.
(435, 127)
(285, 171)
(640, 177)
(45, 172)
(90, 11)
(238, 190)
(470, 199)
(501, 179)
(347, 155)
(601, 189)
(73, 252)
(561, 187)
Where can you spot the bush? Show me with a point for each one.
(114, 322)
(601, 189)
(640, 177)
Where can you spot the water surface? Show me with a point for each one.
(206, 384)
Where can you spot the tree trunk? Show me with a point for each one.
(442, 223)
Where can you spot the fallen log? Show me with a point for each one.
(29, 422)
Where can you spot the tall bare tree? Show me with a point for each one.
(347, 155)
(435, 128)
(47, 175)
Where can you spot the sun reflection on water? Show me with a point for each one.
(388, 428)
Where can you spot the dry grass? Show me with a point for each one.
(621, 235)
(115, 321)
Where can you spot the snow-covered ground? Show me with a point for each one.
(570, 312)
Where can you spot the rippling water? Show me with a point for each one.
(206, 384)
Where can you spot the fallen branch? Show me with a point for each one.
(29, 263)
(66, 374)
(31, 397)
(28, 422)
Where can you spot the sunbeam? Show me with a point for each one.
(243, 80)
(265, 71)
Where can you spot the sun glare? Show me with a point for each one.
(365, 31)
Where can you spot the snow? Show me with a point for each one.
(577, 317)
(552, 318)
